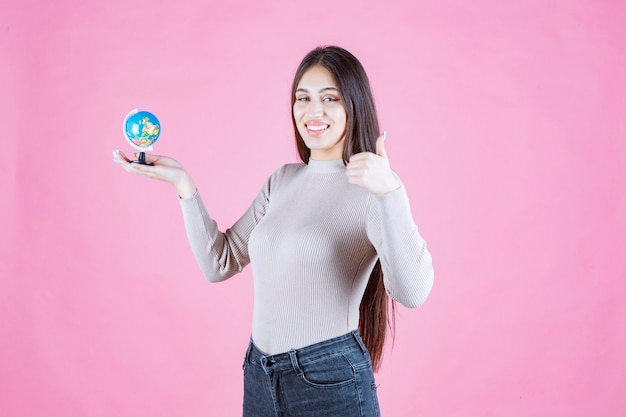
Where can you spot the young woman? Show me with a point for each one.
(329, 240)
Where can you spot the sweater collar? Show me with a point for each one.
(324, 167)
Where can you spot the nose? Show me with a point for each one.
(315, 109)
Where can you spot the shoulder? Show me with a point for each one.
(292, 168)
(287, 170)
(284, 173)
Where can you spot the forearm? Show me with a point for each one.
(218, 257)
(406, 261)
(408, 272)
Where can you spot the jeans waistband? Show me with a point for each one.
(282, 361)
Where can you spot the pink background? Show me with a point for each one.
(505, 120)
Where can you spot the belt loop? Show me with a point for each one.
(294, 362)
(360, 342)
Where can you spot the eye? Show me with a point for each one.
(330, 99)
(302, 98)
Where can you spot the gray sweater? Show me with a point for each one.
(312, 239)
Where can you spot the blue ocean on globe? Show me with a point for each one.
(142, 128)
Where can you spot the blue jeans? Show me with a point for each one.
(330, 378)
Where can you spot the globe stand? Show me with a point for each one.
(142, 160)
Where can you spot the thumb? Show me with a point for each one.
(380, 145)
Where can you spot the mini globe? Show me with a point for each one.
(142, 129)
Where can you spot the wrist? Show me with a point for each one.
(185, 187)
(391, 186)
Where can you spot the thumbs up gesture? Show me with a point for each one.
(372, 171)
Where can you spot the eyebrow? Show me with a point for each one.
(304, 90)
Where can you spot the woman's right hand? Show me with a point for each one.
(164, 169)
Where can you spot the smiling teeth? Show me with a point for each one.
(317, 128)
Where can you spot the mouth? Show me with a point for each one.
(316, 128)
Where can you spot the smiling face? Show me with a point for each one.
(319, 114)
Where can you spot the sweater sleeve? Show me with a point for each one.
(221, 255)
(406, 263)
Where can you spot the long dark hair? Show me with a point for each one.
(361, 133)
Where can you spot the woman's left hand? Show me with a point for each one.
(372, 171)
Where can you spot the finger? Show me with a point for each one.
(121, 159)
(361, 156)
(355, 179)
(355, 171)
(380, 145)
(118, 156)
(130, 167)
(141, 169)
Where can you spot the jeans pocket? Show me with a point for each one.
(328, 372)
